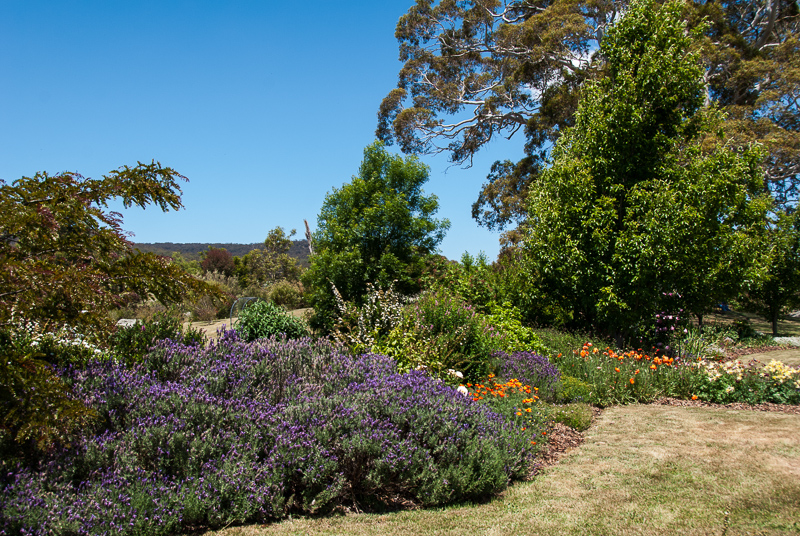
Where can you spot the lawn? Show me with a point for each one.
(643, 469)
(788, 326)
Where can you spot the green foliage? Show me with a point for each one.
(65, 261)
(779, 291)
(375, 229)
(363, 328)
(472, 279)
(574, 390)
(641, 199)
(271, 264)
(514, 337)
(577, 416)
(561, 342)
(190, 266)
(288, 294)
(36, 409)
(260, 320)
(129, 344)
(440, 333)
(475, 70)
(751, 383)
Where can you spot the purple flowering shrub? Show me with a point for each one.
(247, 432)
(531, 369)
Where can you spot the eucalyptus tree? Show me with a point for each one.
(478, 69)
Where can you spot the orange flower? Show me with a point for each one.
(616, 369)
(631, 380)
(653, 367)
(519, 413)
(694, 397)
(636, 371)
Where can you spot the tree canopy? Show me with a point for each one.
(64, 263)
(374, 229)
(478, 69)
(644, 199)
(64, 257)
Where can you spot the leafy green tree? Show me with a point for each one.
(779, 291)
(643, 197)
(478, 69)
(190, 266)
(271, 264)
(65, 260)
(375, 229)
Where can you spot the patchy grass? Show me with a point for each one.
(644, 470)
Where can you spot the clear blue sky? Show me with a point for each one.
(264, 106)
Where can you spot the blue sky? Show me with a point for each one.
(264, 106)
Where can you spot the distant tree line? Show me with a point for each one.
(195, 251)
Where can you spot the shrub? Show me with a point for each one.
(261, 319)
(286, 294)
(752, 383)
(514, 337)
(574, 390)
(439, 332)
(517, 402)
(531, 369)
(249, 432)
(577, 416)
(131, 343)
(363, 328)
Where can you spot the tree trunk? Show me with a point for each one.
(700, 320)
(774, 323)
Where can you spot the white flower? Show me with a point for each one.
(463, 390)
(729, 389)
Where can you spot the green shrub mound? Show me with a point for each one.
(261, 320)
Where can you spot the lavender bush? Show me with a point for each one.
(531, 369)
(247, 432)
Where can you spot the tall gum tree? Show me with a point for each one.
(644, 198)
(478, 69)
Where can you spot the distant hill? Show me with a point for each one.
(192, 251)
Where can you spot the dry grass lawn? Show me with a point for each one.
(789, 357)
(643, 470)
(788, 326)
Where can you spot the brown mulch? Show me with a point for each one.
(560, 440)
